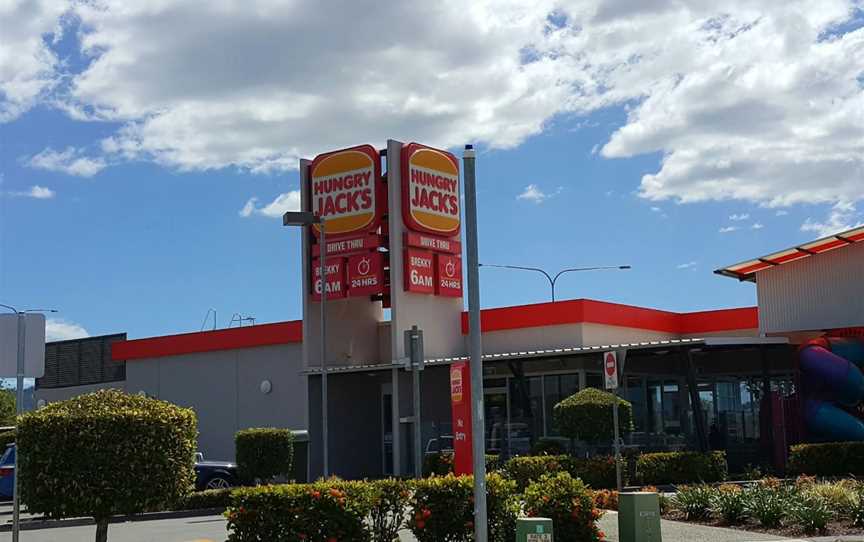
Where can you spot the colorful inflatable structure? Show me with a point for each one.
(832, 384)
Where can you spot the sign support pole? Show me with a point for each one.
(323, 263)
(617, 443)
(415, 352)
(475, 348)
(19, 408)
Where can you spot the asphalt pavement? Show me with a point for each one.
(200, 529)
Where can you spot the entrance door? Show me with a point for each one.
(495, 408)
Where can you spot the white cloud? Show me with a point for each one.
(28, 67)
(738, 218)
(69, 161)
(61, 330)
(757, 226)
(36, 192)
(842, 217)
(759, 102)
(290, 201)
(534, 194)
(688, 265)
(656, 209)
(781, 212)
(728, 229)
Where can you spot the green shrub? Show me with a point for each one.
(605, 499)
(811, 513)
(326, 510)
(388, 508)
(568, 503)
(547, 447)
(7, 407)
(681, 467)
(105, 453)
(207, 499)
(730, 504)
(768, 502)
(856, 511)
(263, 453)
(827, 459)
(442, 509)
(6, 438)
(694, 501)
(838, 496)
(587, 416)
(597, 472)
(441, 463)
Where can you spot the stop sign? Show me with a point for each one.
(610, 363)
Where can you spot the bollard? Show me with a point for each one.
(534, 530)
(639, 517)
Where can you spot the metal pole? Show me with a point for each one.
(476, 348)
(325, 444)
(617, 442)
(396, 434)
(416, 365)
(19, 403)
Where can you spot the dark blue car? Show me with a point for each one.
(7, 472)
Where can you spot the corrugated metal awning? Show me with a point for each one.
(747, 270)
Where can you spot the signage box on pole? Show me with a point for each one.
(34, 345)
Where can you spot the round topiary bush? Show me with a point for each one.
(103, 454)
(264, 453)
(587, 416)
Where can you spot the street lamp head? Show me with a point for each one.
(300, 218)
(624, 267)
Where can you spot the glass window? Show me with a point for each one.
(526, 414)
(655, 406)
(594, 380)
(671, 408)
(635, 393)
(557, 388)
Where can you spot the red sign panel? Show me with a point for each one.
(430, 242)
(430, 190)
(460, 403)
(448, 281)
(365, 274)
(363, 243)
(335, 283)
(419, 271)
(344, 186)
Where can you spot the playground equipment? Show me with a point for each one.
(832, 384)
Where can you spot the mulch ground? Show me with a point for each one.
(835, 528)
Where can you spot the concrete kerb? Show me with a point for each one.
(36, 524)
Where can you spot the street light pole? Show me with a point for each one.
(553, 280)
(307, 218)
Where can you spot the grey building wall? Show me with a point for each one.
(224, 389)
(51, 395)
(820, 292)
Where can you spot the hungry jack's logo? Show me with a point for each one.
(343, 187)
(430, 190)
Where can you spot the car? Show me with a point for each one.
(7, 472)
(214, 474)
(442, 444)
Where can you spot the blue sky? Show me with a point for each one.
(138, 227)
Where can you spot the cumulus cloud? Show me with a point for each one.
(533, 194)
(759, 102)
(35, 192)
(742, 216)
(781, 212)
(728, 229)
(69, 161)
(688, 265)
(757, 226)
(290, 201)
(28, 66)
(61, 330)
(843, 217)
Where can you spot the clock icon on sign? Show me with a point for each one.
(450, 268)
(364, 266)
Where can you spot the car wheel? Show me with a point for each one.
(218, 482)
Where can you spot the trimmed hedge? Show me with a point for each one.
(681, 467)
(105, 453)
(827, 459)
(568, 503)
(264, 453)
(442, 508)
(588, 416)
(204, 500)
(597, 472)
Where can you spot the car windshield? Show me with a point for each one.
(8, 457)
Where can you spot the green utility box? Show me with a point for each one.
(639, 517)
(534, 530)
